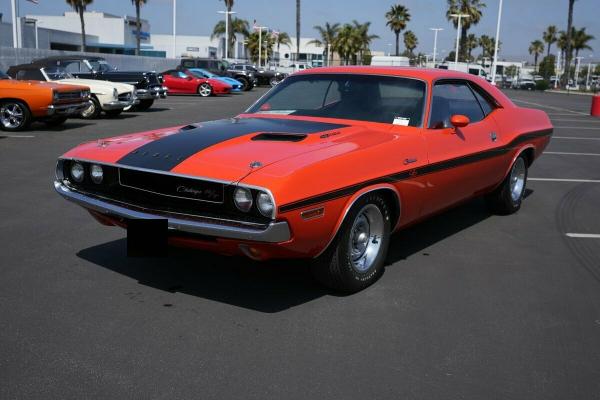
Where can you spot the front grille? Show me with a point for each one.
(69, 95)
(125, 96)
(166, 193)
(152, 78)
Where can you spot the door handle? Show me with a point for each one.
(493, 136)
(409, 161)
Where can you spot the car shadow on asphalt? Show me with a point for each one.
(148, 111)
(267, 287)
(67, 126)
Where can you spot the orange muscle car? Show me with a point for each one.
(325, 166)
(22, 102)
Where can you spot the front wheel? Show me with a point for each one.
(507, 197)
(205, 90)
(93, 111)
(144, 105)
(14, 116)
(245, 83)
(356, 257)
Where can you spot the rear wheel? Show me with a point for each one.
(14, 116)
(93, 111)
(205, 90)
(356, 257)
(507, 198)
(245, 83)
(144, 105)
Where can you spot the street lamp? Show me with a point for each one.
(496, 44)
(227, 14)
(436, 30)
(13, 6)
(174, 28)
(460, 17)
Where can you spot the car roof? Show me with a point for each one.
(66, 58)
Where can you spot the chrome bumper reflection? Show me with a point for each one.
(275, 232)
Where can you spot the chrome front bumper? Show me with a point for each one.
(274, 232)
(67, 109)
(152, 93)
(118, 104)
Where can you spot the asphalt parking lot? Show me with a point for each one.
(471, 306)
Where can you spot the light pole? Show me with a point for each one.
(556, 73)
(436, 30)
(496, 44)
(576, 83)
(260, 29)
(13, 7)
(174, 28)
(460, 17)
(227, 14)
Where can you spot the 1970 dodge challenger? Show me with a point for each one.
(325, 166)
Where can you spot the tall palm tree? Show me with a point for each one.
(80, 6)
(138, 23)
(283, 38)
(410, 42)
(397, 18)
(536, 48)
(229, 40)
(236, 26)
(580, 40)
(252, 46)
(472, 8)
(488, 45)
(297, 29)
(363, 39)
(345, 43)
(472, 44)
(550, 37)
(328, 33)
(569, 38)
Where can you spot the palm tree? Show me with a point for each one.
(536, 48)
(231, 38)
(79, 6)
(138, 23)
(252, 46)
(363, 38)
(397, 18)
(569, 38)
(550, 37)
(328, 34)
(297, 29)
(472, 44)
(345, 43)
(580, 40)
(487, 46)
(236, 26)
(410, 42)
(472, 8)
(283, 38)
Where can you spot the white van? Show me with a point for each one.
(390, 61)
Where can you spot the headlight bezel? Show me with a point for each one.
(95, 178)
(250, 199)
(262, 196)
(73, 175)
(115, 93)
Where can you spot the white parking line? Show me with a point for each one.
(564, 180)
(575, 138)
(584, 235)
(574, 120)
(578, 127)
(564, 153)
(550, 107)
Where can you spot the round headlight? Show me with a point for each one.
(96, 174)
(265, 204)
(242, 198)
(77, 172)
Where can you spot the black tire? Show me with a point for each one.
(245, 83)
(336, 269)
(504, 200)
(143, 105)
(55, 121)
(93, 111)
(113, 113)
(274, 81)
(14, 116)
(204, 90)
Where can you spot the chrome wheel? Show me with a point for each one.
(91, 110)
(12, 115)
(366, 237)
(517, 179)
(205, 90)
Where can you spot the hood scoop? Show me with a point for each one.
(280, 137)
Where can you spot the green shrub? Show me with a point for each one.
(541, 85)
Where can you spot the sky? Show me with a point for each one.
(522, 20)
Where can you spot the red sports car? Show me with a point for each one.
(178, 81)
(326, 167)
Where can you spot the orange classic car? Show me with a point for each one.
(22, 102)
(325, 166)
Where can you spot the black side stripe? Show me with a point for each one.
(411, 173)
(166, 153)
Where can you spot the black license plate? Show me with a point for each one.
(147, 237)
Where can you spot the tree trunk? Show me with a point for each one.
(569, 50)
(535, 61)
(229, 38)
(138, 24)
(297, 30)
(548, 54)
(397, 43)
(83, 44)
(462, 51)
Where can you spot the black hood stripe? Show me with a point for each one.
(166, 153)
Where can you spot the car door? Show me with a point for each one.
(176, 82)
(462, 161)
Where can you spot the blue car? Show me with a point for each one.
(236, 86)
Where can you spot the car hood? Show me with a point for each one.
(99, 86)
(227, 149)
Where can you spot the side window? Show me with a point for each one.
(30, 75)
(485, 104)
(181, 75)
(72, 66)
(188, 64)
(451, 99)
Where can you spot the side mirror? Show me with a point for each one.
(459, 121)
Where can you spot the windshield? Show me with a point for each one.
(200, 73)
(100, 65)
(3, 75)
(56, 73)
(385, 99)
